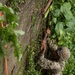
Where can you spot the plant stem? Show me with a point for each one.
(47, 6)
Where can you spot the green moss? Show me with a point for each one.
(21, 71)
(31, 65)
(15, 4)
(33, 19)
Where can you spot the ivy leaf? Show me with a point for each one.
(19, 32)
(59, 28)
(65, 9)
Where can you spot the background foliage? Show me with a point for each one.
(61, 18)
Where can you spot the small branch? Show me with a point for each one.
(43, 1)
(47, 6)
(6, 65)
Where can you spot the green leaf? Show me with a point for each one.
(66, 5)
(2, 18)
(56, 13)
(12, 17)
(46, 14)
(11, 10)
(65, 9)
(48, 11)
(18, 54)
(54, 20)
(59, 28)
(7, 10)
(19, 32)
(73, 1)
(0, 5)
(70, 26)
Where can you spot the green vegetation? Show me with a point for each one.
(33, 19)
(62, 24)
(31, 65)
(8, 34)
(15, 4)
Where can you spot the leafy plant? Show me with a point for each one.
(8, 34)
(31, 65)
(62, 23)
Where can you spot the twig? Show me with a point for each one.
(6, 66)
(47, 6)
(43, 1)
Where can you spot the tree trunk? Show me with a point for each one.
(30, 22)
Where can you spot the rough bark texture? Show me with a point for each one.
(31, 27)
(3, 1)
